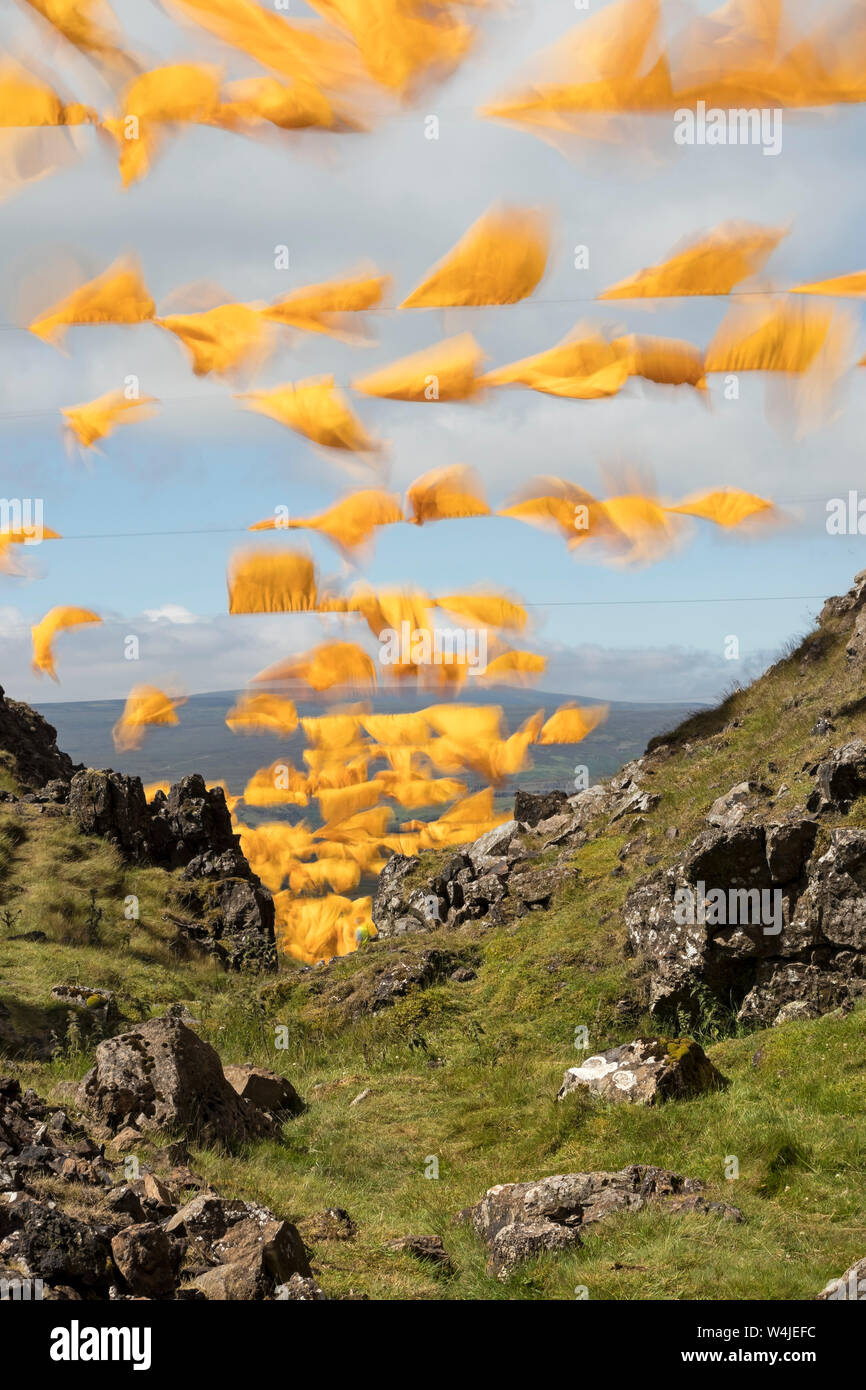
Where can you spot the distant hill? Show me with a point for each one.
(202, 742)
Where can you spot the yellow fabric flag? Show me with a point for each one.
(666, 361)
(552, 504)
(178, 92)
(500, 260)
(97, 419)
(786, 337)
(350, 522)
(222, 339)
(314, 929)
(89, 26)
(584, 366)
(514, 668)
(119, 295)
(489, 610)
(333, 307)
(43, 633)
(328, 665)
(402, 42)
(26, 535)
(277, 785)
(27, 101)
(571, 723)
(310, 53)
(711, 264)
(396, 730)
(727, 507)
(447, 372)
(340, 875)
(851, 286)
(338, 803)
(445, 493)
(267, 581)
(263, 714)
(635, 528)
(612, 63)
(316, 409)
(146, 706)
(330, 731)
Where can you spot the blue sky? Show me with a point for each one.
(213, 210)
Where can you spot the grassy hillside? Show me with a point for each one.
(466, 1073)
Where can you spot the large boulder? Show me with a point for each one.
(163, 1076)
(645, 1072)
(113, 806)
(519, 1220)
(840, 779)
(752, 915)
(268, 1090)
(52, 1245)
(29, 745)
(197, 826)
(147, 1258)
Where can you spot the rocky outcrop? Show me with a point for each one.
(114, 807)
(225, 911)
(839, 779)
(514, 869)
(754, 915)
(163, 1076)
(30, 745)
(645, 1072)
(139, 1240)
(520, 1220)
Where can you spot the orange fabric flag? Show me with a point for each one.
(178, 92)
(263, 714)
(268, 581)
(316, 409)
(43, 633)
(444, 493)
(119, 295)
(221, 339)
(571, 723)
(450, 371)
(334, 307)
(146, 706)
(97, 419)
(500, 260)
(708, 265)
(328, 665)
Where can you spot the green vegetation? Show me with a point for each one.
(466, 1073)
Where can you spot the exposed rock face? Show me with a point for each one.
(198, 828)
(231, 913)
(142, 1244)
(646, 1072)
(752, 915)
(256, 1254)
(519, 1220)
(31, 745)
(530, 808)
(162, 1076)
(499, 878)
(147, 1258)
(840, 779)
(114, 806)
